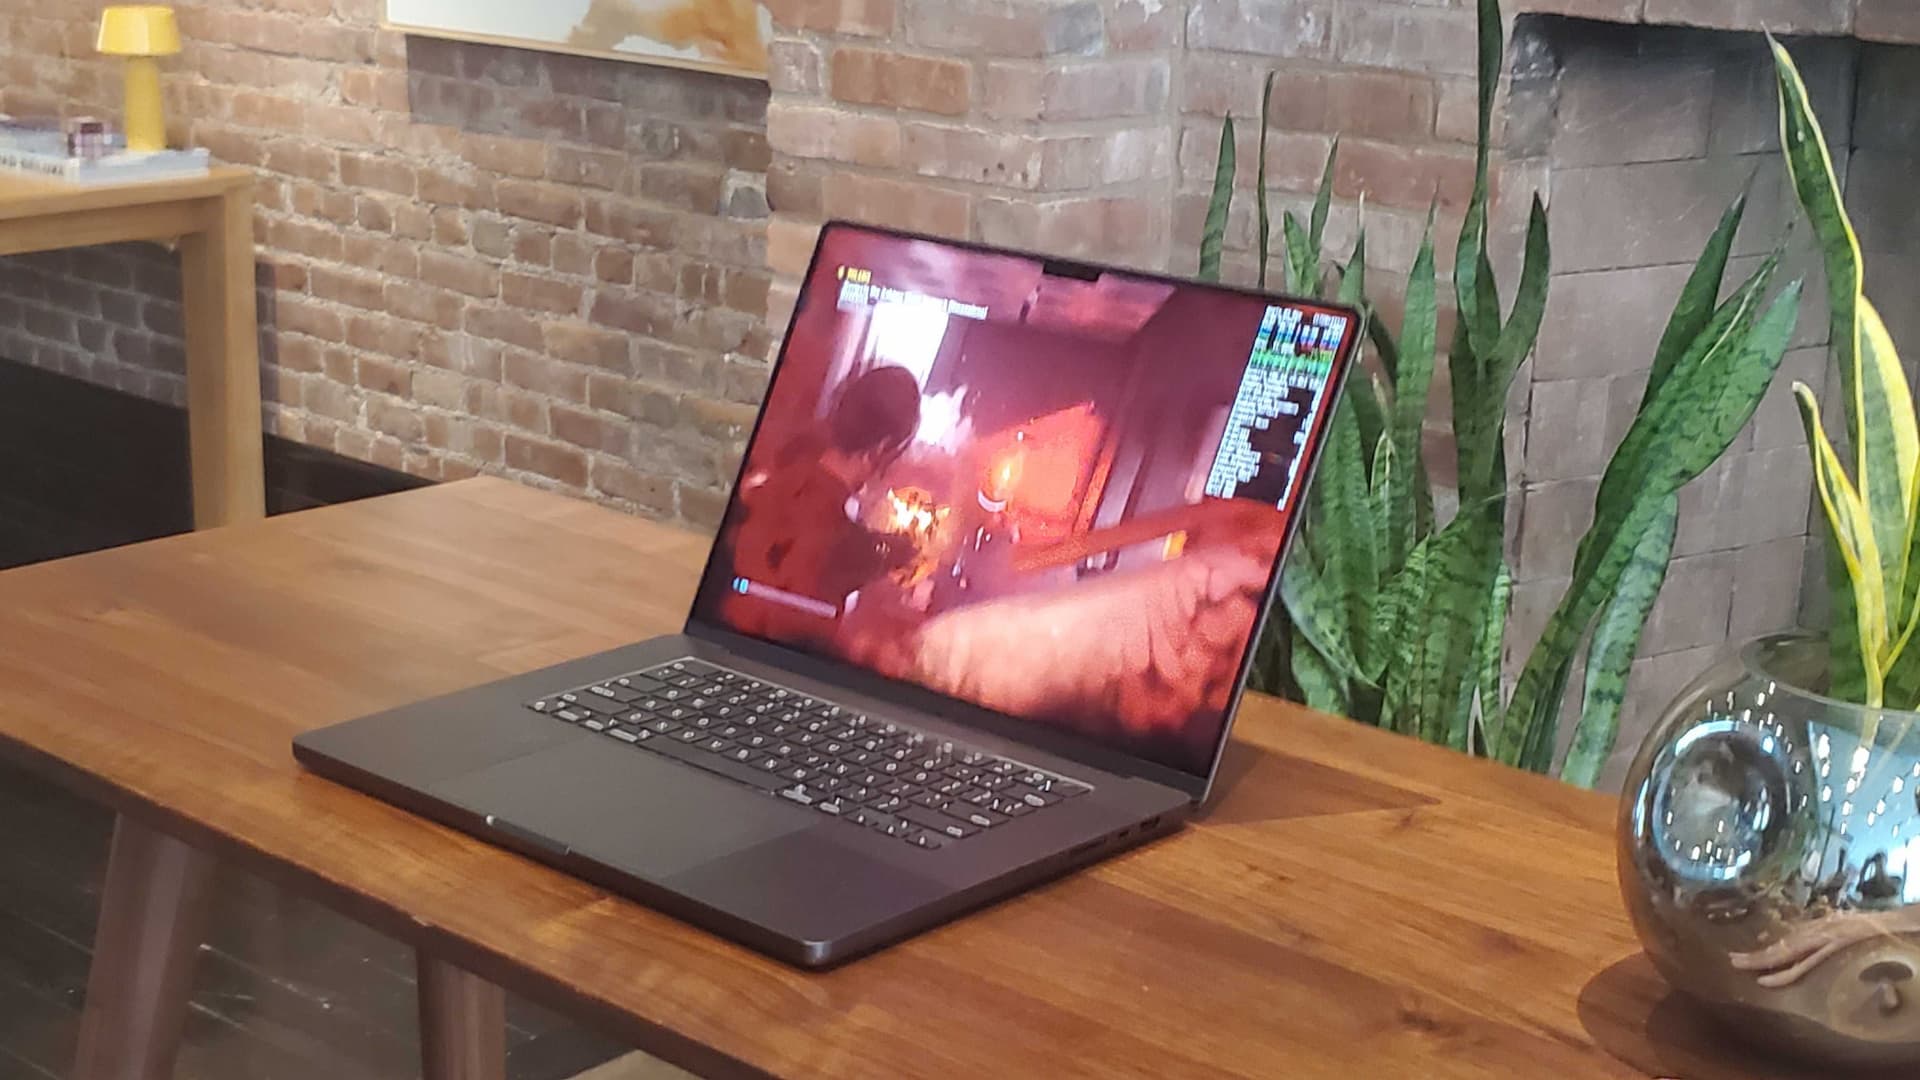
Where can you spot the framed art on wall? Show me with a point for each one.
(728, 36)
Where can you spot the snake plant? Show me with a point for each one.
(1871, 515)
(1398, 618)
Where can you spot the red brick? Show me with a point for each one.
(1440, 40)
(552, 460)
(296, 353)
(421, 303)
(613, 265)
(449, 228)
(276, 114)
(374, 88)
(587, 168)
(583, 343)
(997, 28)
(533, 245)
(525, 158)
(603, 125)
(384, 334)
(746, 291)
(459, 274)
(793, 187)
(326, 203)
(396, 418)
(412, 221)
(228, 145)
(296, 315)
(502, 324)
(793, 67)
(1001, 158)
(620, 219)
(353, 289)
(818, 132)
(649, 491)
(900, 204)
(867, 18)
(1384, 105)
(790, 244)
(897, 80)
(694, 188)
(639, 313)
(1120, 228)
(492, 237)
(394, 257)
(701, 507)
(373, 215)
(541, 294)
(296, 158)
(573, 254)
(549, 203)
(442, 186)
(386, 174)
(1081, 90)
(1404, 176)
(341, 124)
(532, 371)
(301, 238)
(384, 376)
(1271, 28)
(594, 431)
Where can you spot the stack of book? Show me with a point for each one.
(53, 150)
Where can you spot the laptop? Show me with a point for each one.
(979, 612)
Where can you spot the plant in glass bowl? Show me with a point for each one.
(1770, 835)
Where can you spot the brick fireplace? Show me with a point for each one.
(1090, 127)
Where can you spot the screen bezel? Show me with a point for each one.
(1056, 740)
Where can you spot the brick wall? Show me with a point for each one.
(471, 257)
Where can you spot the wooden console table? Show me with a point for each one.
(212, 217)
(1353, 903)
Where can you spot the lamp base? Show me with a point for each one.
(145, 121)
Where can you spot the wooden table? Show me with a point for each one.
(1354, 904)
(212, 217)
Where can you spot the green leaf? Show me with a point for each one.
(1323, 201)
(1317, 609)
(1319, 682)
(1260, 176)
(1464, 565)
(1303, 263)
(1493, 636)
(1703, 404)
(1346, 539)
(1397, 620)
(1879, 405)
(1616, 637)
(1698, 299)
(1353, 276)
(1529, 303)
(1213, 237)
(1704, 365)
(1411, 390)
(1366, 399)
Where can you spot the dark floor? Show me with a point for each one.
(286, 989)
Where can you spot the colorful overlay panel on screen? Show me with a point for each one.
(1054, 497)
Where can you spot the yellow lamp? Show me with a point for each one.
(141, 32)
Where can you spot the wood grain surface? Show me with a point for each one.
(1353, 904)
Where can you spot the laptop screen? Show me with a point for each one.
(1059, 496)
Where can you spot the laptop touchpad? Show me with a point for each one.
(646, 815)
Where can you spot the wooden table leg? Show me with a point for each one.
(463, 1023)
(153, 915)
(223, 365)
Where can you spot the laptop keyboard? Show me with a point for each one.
(871, 773)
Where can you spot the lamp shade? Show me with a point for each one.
(139, 30)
